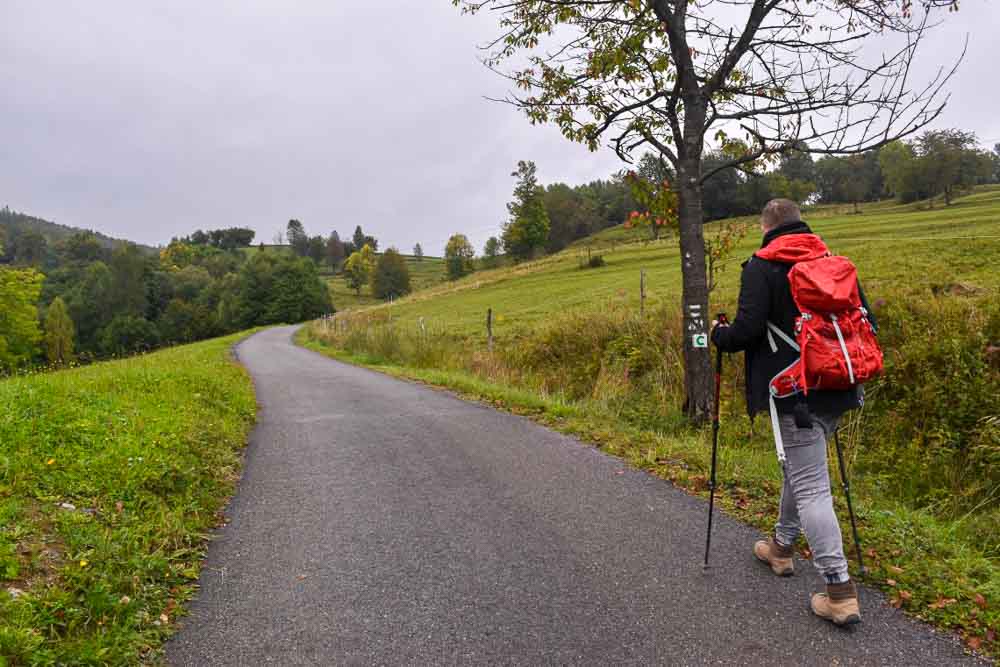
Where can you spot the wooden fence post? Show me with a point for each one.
(489, 329)
(642, 292)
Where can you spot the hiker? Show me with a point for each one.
(764, 329)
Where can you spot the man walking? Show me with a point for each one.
(764, 329)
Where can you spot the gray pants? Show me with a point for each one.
(806, 501)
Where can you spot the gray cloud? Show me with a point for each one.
(146, 123)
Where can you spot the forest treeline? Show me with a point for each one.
(77, 299)
(937, 163)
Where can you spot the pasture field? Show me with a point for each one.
(111, 477)
(572, 351)
(896, 247)
(424, 273)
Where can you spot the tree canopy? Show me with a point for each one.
(528, 227)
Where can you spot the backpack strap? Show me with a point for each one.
(773, 328)
(843, 345)
(779, 444)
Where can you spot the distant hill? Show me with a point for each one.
(15, 224)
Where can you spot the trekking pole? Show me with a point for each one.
(715, 444)
(847, 494)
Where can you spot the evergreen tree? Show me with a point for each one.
(297, 238)
(528, 228)
(59, 333)
(359, 239)
(418, 252)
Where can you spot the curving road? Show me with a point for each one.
(380, 522)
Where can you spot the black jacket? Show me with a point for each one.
(765, 296)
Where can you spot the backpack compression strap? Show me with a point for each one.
(779, 444)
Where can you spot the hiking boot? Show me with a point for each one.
(777, 556)
(839, 604)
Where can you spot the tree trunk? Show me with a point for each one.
(698, 377)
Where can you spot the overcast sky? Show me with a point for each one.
(146, 123)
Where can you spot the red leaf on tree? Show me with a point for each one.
(980, 601)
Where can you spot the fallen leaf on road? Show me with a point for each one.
(891, 582)
(941, 603)
(974, 643)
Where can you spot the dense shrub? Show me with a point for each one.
(928, 425)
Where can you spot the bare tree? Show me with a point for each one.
(759, 77)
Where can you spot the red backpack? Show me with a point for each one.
(836, 342)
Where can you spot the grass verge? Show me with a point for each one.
(111, 477)
(928, 565)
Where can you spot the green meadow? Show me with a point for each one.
(111, 477)
(424, 273)
(896, 247)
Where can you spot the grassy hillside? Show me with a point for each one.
(572, 351)
(424, 273)
(894, 247)
(110, 477)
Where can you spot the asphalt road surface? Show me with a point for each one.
(380, 522)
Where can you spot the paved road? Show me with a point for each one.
(383, 523)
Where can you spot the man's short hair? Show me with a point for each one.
(779, 211)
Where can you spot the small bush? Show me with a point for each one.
(593, 262)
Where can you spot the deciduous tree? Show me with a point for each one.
(458, 254)
(19, 332)
(59, 333)
(491, 251)
(334, 250)
(358, 268)
(391, 277)
(667, 74)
